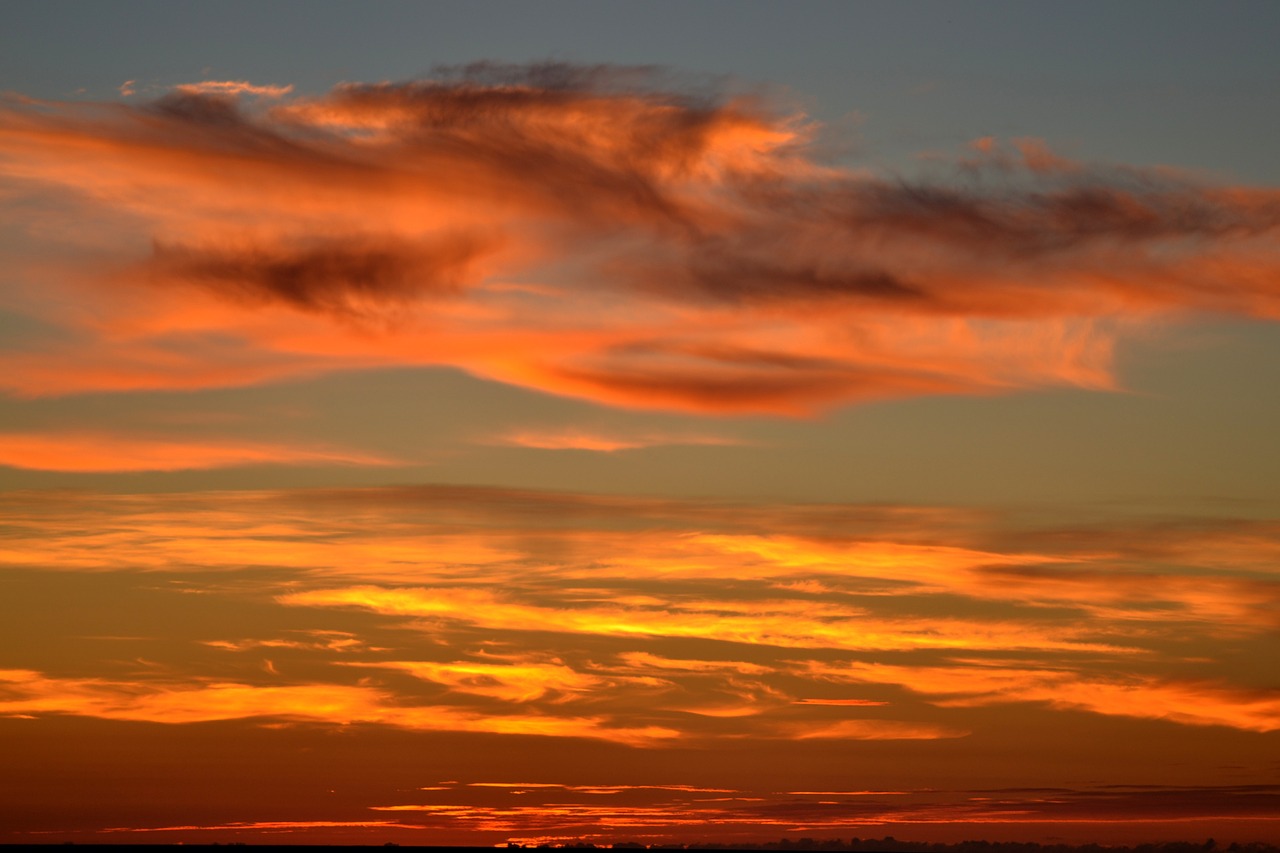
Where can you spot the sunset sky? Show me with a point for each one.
(462, 423)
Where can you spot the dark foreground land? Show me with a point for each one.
(886, 845)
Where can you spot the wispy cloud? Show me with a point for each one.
(515, 681)
(604, 442)
(781, 623)
(1179, 701)
(89, 452)
(605, 233)
(28, 692)
(232, 87)
(543, 812)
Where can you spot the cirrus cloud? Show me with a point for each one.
(89, 452)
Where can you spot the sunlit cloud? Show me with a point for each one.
(1178, 701)
(1135, 580)
(596, 232)
(90, 452)
(556, 814)
(537, 812)
(27, 692)
(644, 621)
(604, 442)
(232, 87)
(333, 641)
(510, 682)
(871, 729)
(602, 789)
(650, 662)
(769, 623)
(268, 825)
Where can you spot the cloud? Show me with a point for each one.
(232, 87)
(273, 826)
(1201, 703)
(780, 623)
(343, 642)
(604, 233)
(645, 661)
(604, 443)
(521, 681)
(871, 729)
(342, 278)
(87, 452)
(642, 612)
(28, 692)
(673, 818)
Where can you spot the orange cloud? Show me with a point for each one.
(269, 825)
(27, 692)
(647, 661)
(1178, 701)
(598, 233)
(629, 612)
(799, 624)
(870, 729)
(600, 442)
(96, 452)
(1220, 585)
(522, 681)
(232, 87)
(333, 641)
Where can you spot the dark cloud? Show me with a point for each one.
(346, 277)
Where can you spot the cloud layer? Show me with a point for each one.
(597, 232)
(636, 664)
(644, 621)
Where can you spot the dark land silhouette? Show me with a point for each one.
(835, 845)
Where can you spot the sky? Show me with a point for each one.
(472, 423)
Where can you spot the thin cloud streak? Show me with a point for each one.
(1186, 702)
(550, 812)
(602, 442)
(783, 624)
(232, 87)
(29, 692)
(88, 452)
(603, 233)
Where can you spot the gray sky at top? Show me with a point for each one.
(1187, 84)
(1191, 85)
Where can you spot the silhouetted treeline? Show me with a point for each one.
(892, 845)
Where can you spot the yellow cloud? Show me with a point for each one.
(29, 692)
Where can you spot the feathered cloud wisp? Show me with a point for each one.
(593, 232)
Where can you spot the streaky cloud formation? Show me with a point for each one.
(33, 692)
(96, 452)
(623, 659)
(603, 233)
(558, 814)
(431, 608)
(232, 87)
(602, 442)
